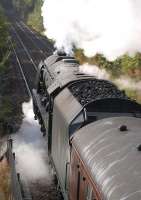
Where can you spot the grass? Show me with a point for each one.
(6, 109)
(134, 94)
(5, 191)
(4, 62)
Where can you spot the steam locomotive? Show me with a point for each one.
(93, 132)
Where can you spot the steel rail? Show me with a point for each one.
(29, 56)
(21, 70)
(23, 182)
(45, 57)
(26, 189)
(40, 50)
(37, 37)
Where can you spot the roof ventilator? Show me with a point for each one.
(139, 147)
(123, 128)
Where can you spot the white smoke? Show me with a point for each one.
(123, 82)
(110, 27)
(94, 71)
(127, 83)
(30, 148)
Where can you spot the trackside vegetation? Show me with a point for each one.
(124, 65)
(4, 58)
(4, 51)
(30, 12)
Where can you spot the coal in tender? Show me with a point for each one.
(88, 90)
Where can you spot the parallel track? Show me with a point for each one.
(21, 70)
(24, 58)
(42, 43)
(23, 51)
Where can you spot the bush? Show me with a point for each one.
(131, 65)
(4, 62)
(30, 11)
(4, 51)
(3, 34)
(125, 65)
(34, 18)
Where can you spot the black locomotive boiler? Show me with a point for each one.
(93, 132)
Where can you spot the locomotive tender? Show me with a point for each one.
(93, 132)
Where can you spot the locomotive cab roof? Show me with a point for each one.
(112, 156)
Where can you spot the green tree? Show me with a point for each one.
(23, 7)
(131, 65)
(35, 19)
(79, 55)
(124, 65)
(3, 39)
(30, 12)
(3, 30)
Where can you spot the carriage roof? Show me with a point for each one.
(110, 150)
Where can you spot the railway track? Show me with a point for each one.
(29, 66)
(42, 43)
(33, 43)
(26, 62)
(21, 70)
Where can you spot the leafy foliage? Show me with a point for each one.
(3, 29)
(30, 11)
(6, 110)
(133, 94)
(6, 107)
(125, 65)
(4, 52)
(132, 65)
(34, 18)
(23, 6)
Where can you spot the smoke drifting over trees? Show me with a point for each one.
(111, 27)
(103, 33)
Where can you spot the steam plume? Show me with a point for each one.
(127, 83)
(110, 27)
(123, 82)
(94, 71)
(30, 148)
